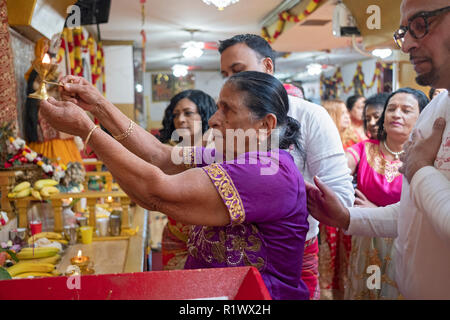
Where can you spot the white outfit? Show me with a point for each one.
(420, 221)
(325, 155)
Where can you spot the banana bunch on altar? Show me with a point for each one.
(40, 259)
(35, 262)
(41, 189)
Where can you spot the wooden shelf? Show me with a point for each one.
(91, 197)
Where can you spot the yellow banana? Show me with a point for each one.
(56, 273)
(36, 194)
(44, 252)
(23, 267)
(23, 193)
(21, 186)
(12, 195)
(61, 241)
(48, 191)
(48, 235)
(34, 274)
(38, 185)
(53, 259)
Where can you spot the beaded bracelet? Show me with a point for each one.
(126, 133)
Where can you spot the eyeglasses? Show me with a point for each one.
(418, 25)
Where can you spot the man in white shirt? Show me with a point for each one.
(421, 220)
(324, 154)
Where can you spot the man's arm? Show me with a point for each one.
(324, 205)
(374, 222)
(430, 191)
(325, 155)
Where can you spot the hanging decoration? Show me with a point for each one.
(144, 36)
(78, 60)
(358, 83)
(285, 16)
(77, 44)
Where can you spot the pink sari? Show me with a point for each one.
(378, 178)
(381, 182)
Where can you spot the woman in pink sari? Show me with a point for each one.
(379, 183)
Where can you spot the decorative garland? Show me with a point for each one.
(78, 67)
(144, 36)
(285, 16)
(337, 80)
(77, 44)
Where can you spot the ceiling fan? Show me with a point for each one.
(194, 49)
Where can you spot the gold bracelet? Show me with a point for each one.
(88, 137)
(126, 133)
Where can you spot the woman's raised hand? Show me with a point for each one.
(324, 205)
(66, 116)
(81, 92)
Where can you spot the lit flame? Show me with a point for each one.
(109, 198)
(46, 59)
(79, 254)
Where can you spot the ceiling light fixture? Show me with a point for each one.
(179, 70)
(220, 4)
(314, 69)
(382, 53)
(193, 49)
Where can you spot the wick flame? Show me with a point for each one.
(109, 198)
(79, 254)
(46, 59)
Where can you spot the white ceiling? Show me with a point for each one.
(166, 21)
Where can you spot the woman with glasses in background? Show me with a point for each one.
(188, 111)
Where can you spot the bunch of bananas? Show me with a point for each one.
(37, 262)
(42, 188)
(52, 236)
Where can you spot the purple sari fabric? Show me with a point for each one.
(268, 220)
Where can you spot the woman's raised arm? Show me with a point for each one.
(133, 137)
(189, 197)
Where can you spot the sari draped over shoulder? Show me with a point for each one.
(266, 199)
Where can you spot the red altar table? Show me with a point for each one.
(239, 283)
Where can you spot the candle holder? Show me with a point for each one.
(44, 68)
(83, 263)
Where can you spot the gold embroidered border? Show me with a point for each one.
(227, 190)
(189, 157)
(380, 164)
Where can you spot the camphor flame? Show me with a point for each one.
(46, 59)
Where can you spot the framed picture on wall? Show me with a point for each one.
(165, 86)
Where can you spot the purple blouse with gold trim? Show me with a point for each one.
(266, 199)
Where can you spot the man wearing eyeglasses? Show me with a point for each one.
(420, 222)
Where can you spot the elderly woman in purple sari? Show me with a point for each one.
(228, 192)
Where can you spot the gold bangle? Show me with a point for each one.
(126, 133)
(88, 137)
